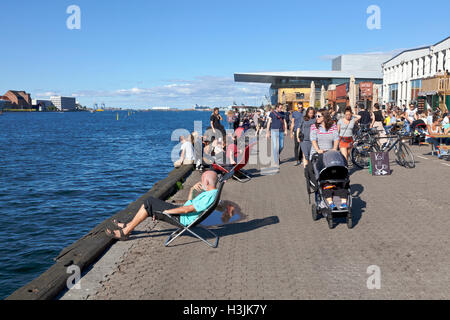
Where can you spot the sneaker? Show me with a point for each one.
(344, 206)
(332, 206)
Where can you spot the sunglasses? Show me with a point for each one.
(318, 116)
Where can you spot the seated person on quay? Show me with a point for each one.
(206, 194)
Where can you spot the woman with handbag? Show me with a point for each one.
(345, 129)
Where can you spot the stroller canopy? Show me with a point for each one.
(332, 166)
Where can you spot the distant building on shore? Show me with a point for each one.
(42, 105)
(63, 103)
(160, 108)
(14, 99)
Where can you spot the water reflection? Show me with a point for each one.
(226, 212)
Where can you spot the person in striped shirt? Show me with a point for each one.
(324, 133)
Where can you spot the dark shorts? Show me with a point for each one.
(154, 207)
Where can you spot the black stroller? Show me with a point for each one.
(327, 176)
(419, 129)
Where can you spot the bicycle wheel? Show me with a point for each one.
(361, 154)
(407, 156)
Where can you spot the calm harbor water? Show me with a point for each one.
(61, 174)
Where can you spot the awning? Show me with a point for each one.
(427, 93)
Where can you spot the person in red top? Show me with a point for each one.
(232, 151)
(239, 132)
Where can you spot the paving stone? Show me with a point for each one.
(402, 227)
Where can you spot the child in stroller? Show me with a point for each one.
(328, 178)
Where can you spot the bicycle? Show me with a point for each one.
(404, 155)
(365, 143)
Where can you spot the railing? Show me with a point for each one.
(431, 84)
(440, 84)
(444, 84)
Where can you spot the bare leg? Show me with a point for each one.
(305, 162)
(344, 152)
(140, 216)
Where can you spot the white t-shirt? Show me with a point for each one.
(411, 113)
(445, 121)
(188, 151)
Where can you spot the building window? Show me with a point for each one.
(393, 92)
(443, 62)
(423, 66)
(437, 61)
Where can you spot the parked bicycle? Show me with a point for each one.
(366, 141)
(403, 154)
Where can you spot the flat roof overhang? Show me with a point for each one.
(271, 77)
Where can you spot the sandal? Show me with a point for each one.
(112, 235)
(116, 223)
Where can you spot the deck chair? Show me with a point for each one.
(196, 224)
(237, 169)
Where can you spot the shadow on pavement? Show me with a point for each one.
(222, 231)
(358, 205)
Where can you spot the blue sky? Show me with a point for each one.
(177, 53)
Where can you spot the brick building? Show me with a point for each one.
(18, 99)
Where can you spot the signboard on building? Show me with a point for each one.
(366, 89)
(341, 91)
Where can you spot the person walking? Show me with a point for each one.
(216, 125)
(237, 119)
(303, 134)
(378, 124)
(230, 120)
(297, 118)
(345, 128)
(277, 129)
(367, 117)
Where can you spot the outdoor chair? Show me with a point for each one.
(237, 169)
(196, 224)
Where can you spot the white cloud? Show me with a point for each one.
(207, 90)
(47, 94)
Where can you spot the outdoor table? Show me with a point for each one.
(440, 137)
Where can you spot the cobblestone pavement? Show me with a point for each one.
(278, 252)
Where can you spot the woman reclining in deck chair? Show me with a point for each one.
(184, 215)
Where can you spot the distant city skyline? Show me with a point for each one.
(177, 54)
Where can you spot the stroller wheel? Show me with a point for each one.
(315, 215)
(350, 223)
(330, 221)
